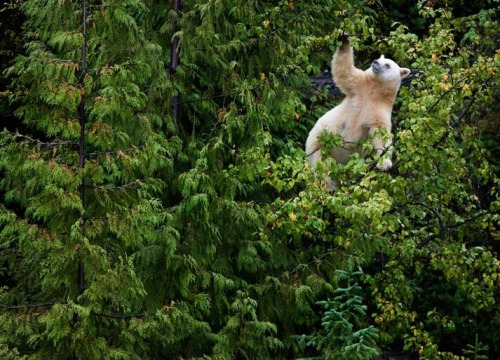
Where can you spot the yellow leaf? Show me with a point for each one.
(292, 217)
(262, 76)
(444, 86)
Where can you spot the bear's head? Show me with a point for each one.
(387, 70)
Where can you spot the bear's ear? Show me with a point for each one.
(404, 72)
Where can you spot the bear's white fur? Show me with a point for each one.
(367, 107)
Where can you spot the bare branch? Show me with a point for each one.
(26, 306)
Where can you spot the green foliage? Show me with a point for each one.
(11, 44)
(474, 351)
(343, 334)
(195, 222)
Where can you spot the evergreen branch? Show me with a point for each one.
(119, 316)
(119, 152)
(58, 60)
(117, 187)
(50, 304)
(40, 143)
(213, 97)
(25, 306)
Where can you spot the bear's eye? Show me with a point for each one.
(387, 66)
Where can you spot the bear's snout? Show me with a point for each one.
(376, 66)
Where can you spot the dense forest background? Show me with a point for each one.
(156, 201)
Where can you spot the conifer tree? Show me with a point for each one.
(159, 204)
(81, 188)
(114, 252)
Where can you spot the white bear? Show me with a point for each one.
(366, 108)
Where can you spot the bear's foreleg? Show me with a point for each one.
(343, 70)
(382, 149)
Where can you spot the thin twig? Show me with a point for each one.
(316, 259)
(434, 211)
(25, 306)
(119, 152)
(42, 143)
(117, 187)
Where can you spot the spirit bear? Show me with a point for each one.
(366, 108)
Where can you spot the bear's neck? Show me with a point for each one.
(384, 97)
